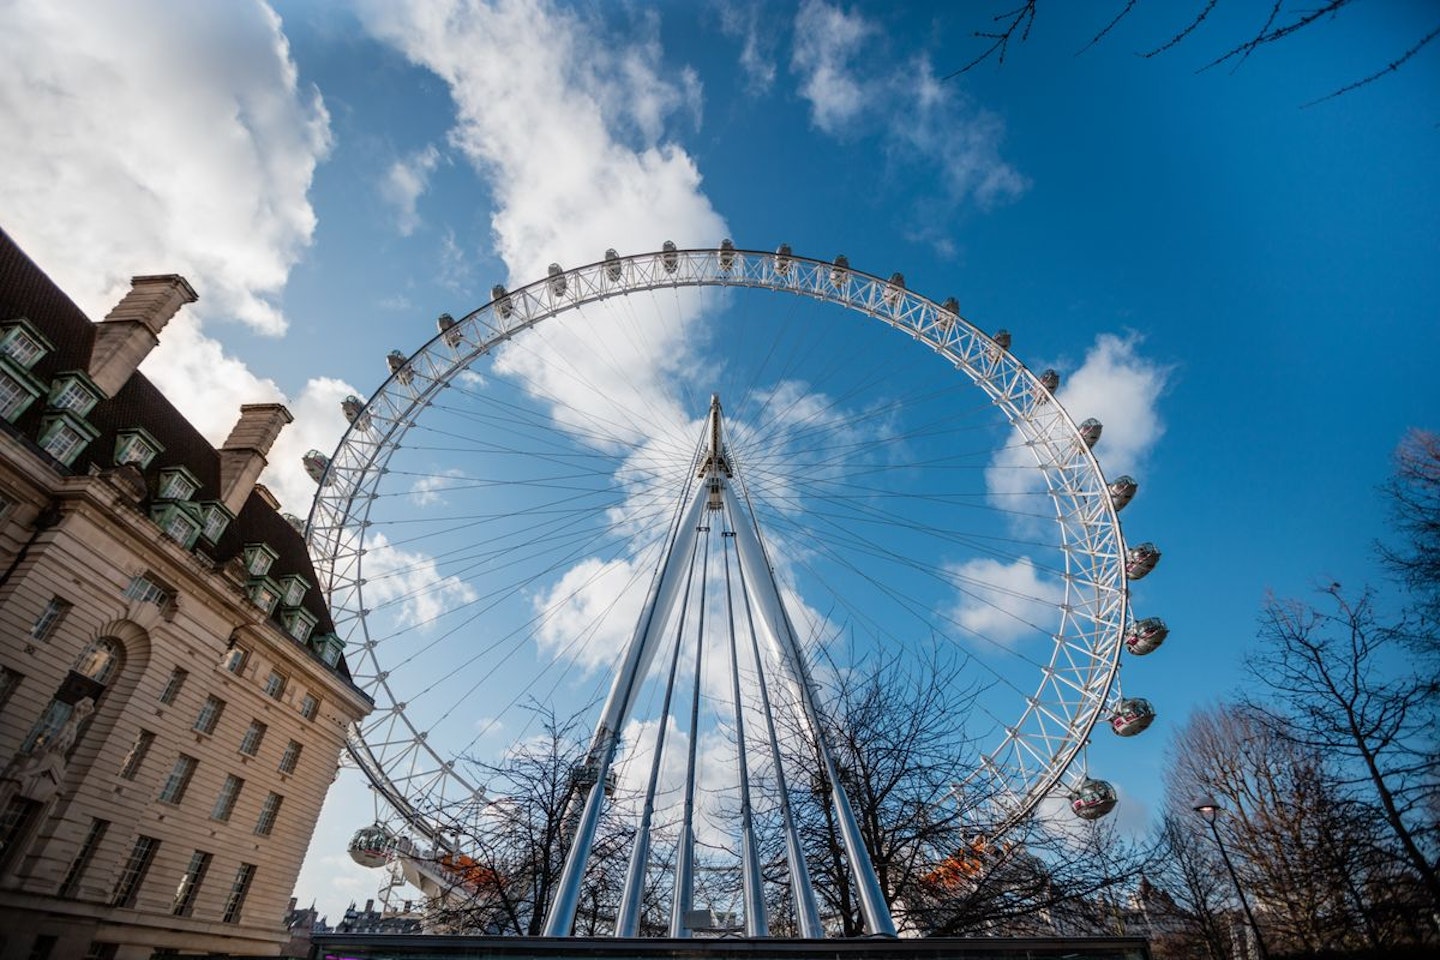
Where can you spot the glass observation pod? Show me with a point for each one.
(557, 280)
(371, 846)
(727, 255)
(1049, 380)
(354, 409)
(1093, 799)
(316, 463)
(893, 291)
(1132, 715)
(1002, 339)
(448, 330)
(1090, 431)
(1141, 560)
(501, 297)
(1145, 636)
(399, 365)
(1122, 491)
(840, 271)
(783, 258)
(669, 256)
(612, 264)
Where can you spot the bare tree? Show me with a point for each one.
(1016, 23)
(1329, 692)
(1414, 496)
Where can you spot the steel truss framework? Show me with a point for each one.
(425, 787)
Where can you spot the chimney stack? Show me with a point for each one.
(132, 329)
(242, 456)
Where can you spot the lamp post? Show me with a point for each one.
(1207, 807)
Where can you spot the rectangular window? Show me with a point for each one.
(22, 347)
(133, 448)
(83, 856)
(9, 683)
(133, 873)
(309, 707)
(73, 396)
(179, 779)
(173, 685)
(268, 812)
(49, 619)
(294, 591)
(147, 591)
(62, 443)
(14, 823)
(250, 743)
(209, 715)
(130, 766)
(12, 396)
(275, 685)
(100, 950)
(189, 887)
(175, 486)
(43, 947)
(180, 528)
(215, 521)
(235, 902)
(290, 758)
(229, 794)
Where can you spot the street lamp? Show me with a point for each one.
(1208, 807)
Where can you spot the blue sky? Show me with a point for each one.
(331, 177)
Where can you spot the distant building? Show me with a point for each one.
(173, 698)
(371, 920)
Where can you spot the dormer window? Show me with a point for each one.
(180, 521)
(23, 343)
(258, 558)
(217, 518)
(15, 395)
(329, 646)
(135, 446)
(295, 587)
(298, 623)
(176, 483)
(264, 593)
(74, 392)
(63, 435)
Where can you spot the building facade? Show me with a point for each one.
(173, 699)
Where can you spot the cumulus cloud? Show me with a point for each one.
(855, 91)
(405, 182)
(1117, 386)
(135, 148)
(1002, 602)
(757, 45)
(589, 615)
(826, 40)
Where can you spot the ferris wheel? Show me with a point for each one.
(552, 504)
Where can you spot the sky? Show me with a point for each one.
(1238, 282)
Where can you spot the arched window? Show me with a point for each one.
(93, 670)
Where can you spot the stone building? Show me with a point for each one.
(173, 699)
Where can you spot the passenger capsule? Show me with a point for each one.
(503, 306)
(782, 258)
(449, 330)
(727, 255)
(895, 288)
(1141, 560)
(557, 280)
(1093, 799)
(1002, 339)
(399, 366)
(1145, 636)
(351, 406)
(1132, 715)
(1090, 432)
(669, 256)
(612, 264)
(840, 272)
(951, 305)
(1049, 380)
(1122, 491)
(316, 463)
(371, 846)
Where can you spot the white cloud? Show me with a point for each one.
(429, 490)
(156, 137)
(1115, 385)
(405, 182)
(826, 39)
(1002, 602)
(589, 615)
(924, 125)
(757, 46)
(319, 424)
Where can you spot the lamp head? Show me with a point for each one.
(1207, 807)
